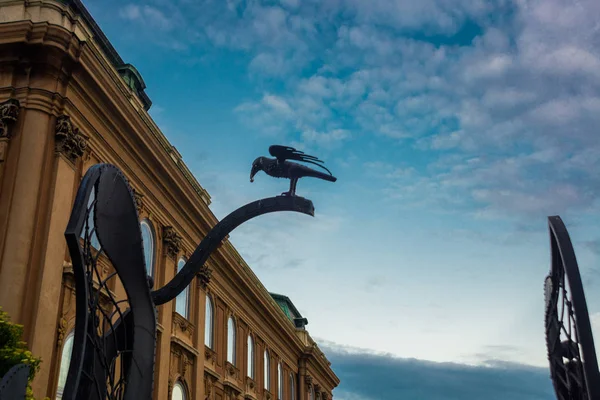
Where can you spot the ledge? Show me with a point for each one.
(185, 346)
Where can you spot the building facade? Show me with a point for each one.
(67, 102)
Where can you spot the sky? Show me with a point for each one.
(454, 129)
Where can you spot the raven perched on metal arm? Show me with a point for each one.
(279, 167)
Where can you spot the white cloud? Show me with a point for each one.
(147, 15)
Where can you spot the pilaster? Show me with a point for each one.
(46, 307)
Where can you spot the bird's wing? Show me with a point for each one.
(282, 153)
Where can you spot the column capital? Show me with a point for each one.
(69, 141)
(204, 276)
(171, 240)
(9, 111)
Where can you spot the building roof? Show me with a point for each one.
(289, 309)
(127, 71)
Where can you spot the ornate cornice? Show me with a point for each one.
(69, 141)
(171, 240)
(9, 111)
(204, 276)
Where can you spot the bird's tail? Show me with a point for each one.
(322, 175)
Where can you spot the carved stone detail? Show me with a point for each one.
(231, 370)
(308, 380)
(171, 240)
(69, 140)
(62, 330)
(138, 198)
(9, 111)
(204, 276)
(183, 324)
(185, 363)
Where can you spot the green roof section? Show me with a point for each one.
(289, 310)
(130, 75)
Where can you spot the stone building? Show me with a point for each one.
(69, 101)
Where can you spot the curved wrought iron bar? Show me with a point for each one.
(133, 334)
(579, 378)
(220, 231)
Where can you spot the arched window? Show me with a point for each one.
(250, 357)
(267, 377)
(178, 392)
(231, 340)
(292, 387)
(208, 323)
(311, 393)
(148, 240)
(182, 300)
(65, 360)
(279, 382)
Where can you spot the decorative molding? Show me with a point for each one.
(209, 354)
(171, 240)
(231, 369)
(267, 395)
(204, 276)
(68, 139)
(9, 111)
(138, 198)
(185, 363)
(250, 383)
(308, 379)
(183, 324)
(62, 330)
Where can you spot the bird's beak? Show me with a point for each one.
(253, 172)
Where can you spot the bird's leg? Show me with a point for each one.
(292, 191)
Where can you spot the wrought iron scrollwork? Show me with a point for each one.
(569, 340)
(114, 343)
(220, 231)
(115, 340)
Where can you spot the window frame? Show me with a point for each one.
(267, 370)
(181, 385)
(292, 387)
(149, 269)
(231, 346)
(185, 292)
(69, 338)
(209, 323)
(279, 381)
(251, 359)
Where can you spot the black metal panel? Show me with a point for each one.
(569, 339)
(13, 385)
(220, 231)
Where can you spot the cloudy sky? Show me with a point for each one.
(454, 127)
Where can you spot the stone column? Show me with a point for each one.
(70, 145)
(202, 279)
(23, 211)
(164, 273)
(302, 379)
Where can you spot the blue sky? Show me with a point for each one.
(454, 128)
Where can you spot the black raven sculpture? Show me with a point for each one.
(279, 167)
